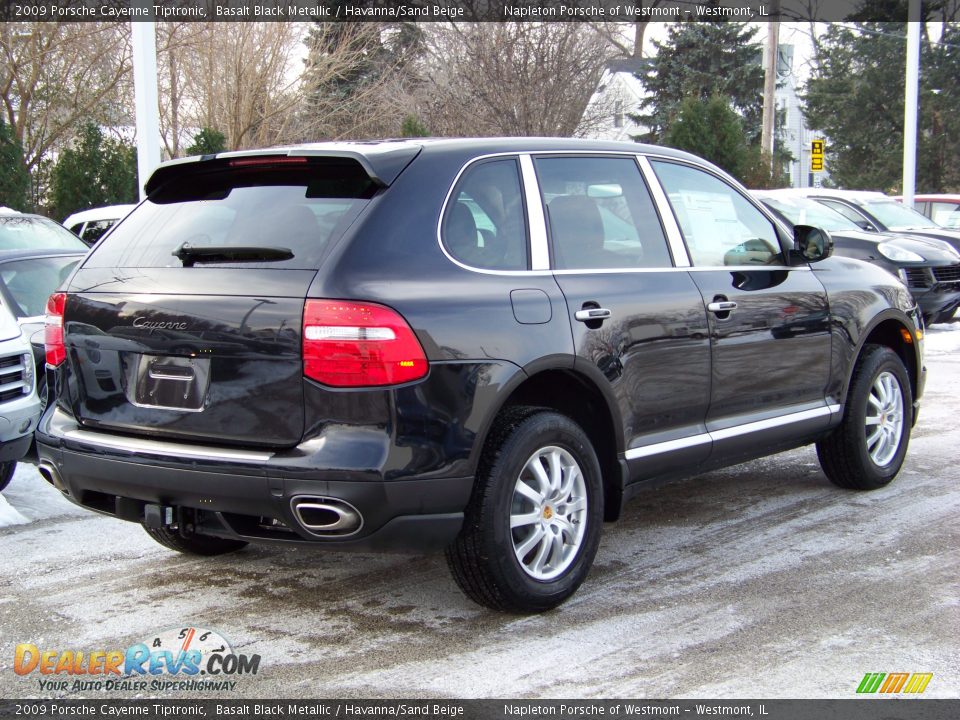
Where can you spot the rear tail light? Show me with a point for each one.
(349, 344)
(56, 350)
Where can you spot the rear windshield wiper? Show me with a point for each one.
(190, 255)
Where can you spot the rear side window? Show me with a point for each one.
(601, 214)
(29, 282)
(301, 208)
(484, 225)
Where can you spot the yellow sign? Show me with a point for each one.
(816, 155)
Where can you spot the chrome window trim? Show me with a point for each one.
(533, 204)
(731, 432)
(678, 248)
(536, 219)
(736, 187)
(718, 268)
(446, 201)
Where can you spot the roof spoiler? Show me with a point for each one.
(382, 162)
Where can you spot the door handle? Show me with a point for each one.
(592, 314)
(722, 306)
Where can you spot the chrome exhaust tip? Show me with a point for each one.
(48, 471)
(326, 517)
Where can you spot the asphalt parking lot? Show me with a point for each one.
(762, 580)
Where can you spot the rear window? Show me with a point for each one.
(300, 208)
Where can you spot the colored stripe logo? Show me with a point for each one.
(891, 683)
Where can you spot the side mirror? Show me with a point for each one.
(812, 243)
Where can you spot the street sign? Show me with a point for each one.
(816, 155)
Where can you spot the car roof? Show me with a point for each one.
(928, 197)
(852, 195)
(31, 253)
(108, 212)
(383, 160)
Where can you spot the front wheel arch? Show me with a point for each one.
(888, 329)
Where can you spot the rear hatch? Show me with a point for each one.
(185, 321)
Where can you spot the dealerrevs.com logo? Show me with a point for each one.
(187, 658)
(894, 683)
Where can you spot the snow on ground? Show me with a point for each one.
(28, 498)
(760, 580)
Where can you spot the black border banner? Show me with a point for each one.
(892, 708)
(468, 10)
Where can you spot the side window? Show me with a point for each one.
(95, 230)
(848, 212)
(719, 225)
(946, 214)
(484, 226)
(600, 214)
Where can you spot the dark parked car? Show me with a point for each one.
(876, 212)
(929, 267)
(477, 345)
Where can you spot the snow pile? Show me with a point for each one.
(9, 515)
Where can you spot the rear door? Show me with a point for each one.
(185, 322)
(768, 321)
(638, 322)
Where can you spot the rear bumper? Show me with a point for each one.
(241, 494)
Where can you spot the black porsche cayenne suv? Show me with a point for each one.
(472, 345)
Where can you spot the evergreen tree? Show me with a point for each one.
(352, 69)
(712, 130)
(95, 171)
(855, 98)
(413, 127)
(207, 142)
(699, 60)
(14, 176)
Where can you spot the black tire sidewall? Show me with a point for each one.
(538, 431)
(7, 470)
(880, 361)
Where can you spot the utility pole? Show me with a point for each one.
(770, 84)
(911, 102)
(144, 42)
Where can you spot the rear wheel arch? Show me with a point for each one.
(578, 397)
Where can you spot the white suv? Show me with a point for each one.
(19, 402)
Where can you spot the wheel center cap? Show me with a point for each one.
(547, 512)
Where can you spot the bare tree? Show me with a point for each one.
(53, 75)
(243, 81)
(627, 38)
(512, 78)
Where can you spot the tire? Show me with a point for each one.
(205, 545)
(6, 473)
(540, 561)
(879, 395)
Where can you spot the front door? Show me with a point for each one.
(639, 325)
(768, 320)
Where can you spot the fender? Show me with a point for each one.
(906, 322)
